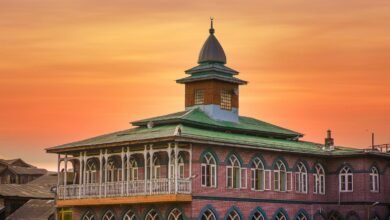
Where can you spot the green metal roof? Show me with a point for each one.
(197, 117)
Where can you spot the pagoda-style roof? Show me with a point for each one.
(198, 118)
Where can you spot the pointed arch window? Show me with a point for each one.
(233, 173)
(91, 169)
(374, 180)
(155, 169)
(301, 216)
(280, 216)
(257, 216)
(209, 171)
(319, 179)
(130, 215)
(257, 174)
(175, 214)
(152, 215)
(109, 216)
(88, 216)
(113, 172)
(233, 215)
(346, 179)
(301, 178)
(132, 167)
(208, 215)
(180, 166)
(280, 176)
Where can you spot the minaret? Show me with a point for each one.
(211, 85)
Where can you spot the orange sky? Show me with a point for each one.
(78, 68)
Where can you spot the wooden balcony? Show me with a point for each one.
(130, 192)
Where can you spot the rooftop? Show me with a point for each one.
(34, 209)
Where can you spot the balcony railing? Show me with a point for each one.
(123, 188)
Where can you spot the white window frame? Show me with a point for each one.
(233, 215)
(374, 180)
(345, 179)
(209, 164)
(175, 214)
(278, 172)
(319, 180)
(301, 178)
(267, 176)
(257, 168)
(91, 172)
(133, 170)
(231, 175)
(208, 215)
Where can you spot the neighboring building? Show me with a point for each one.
(15, 196)
(34, 209)
(17, 171)
(208, 162)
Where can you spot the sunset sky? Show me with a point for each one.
(73, 69)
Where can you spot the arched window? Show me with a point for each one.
(109, 216)
(91, 171)
(88, 216)
(301, 216)
(346, 179)
(301, 178)
(130, 215)
(152, 215)
(280, 216)
(155, 169)
(132, 169)
(113, 173)
(319, 179)
(180, 165)
(175, 214)
(257, 215)
(208, 215)
(209, 171)
(374, 180)
(257, 174)
(334, 215)
(280, 176)
(233, 215)
(233, 173)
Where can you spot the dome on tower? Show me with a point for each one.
(212, 51)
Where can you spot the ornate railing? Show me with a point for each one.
(124, 188)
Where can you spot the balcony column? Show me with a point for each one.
(65, 173)
(105, 173)
(145, 167)
(127, 170)
(81, 161)
(169, 168)
(58, 169)
(85, 170)
(190, 160)
(151, 153)
(176, 155)
(100, 172)
(123, 170)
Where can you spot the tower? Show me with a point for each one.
(212, 86)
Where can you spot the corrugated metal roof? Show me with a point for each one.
(34, 209)
(25, 190)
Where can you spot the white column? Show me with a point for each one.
(176, 155)
(145, 166)
(123, 170)
(169, 168)
(100, 172)
(151, 152)
(85, 171)
(65, 172)
(81, 161)
(127, 170)
(58, 170)
(105, 173)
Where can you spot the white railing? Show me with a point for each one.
(125, 188)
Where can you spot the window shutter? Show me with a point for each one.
(213, 177)
(267, 180)
(289, 181)
(277, 180)
(253, 179)
(244, 177)
(229, 177)
(203, 174)
(135, 170)
(297, 182)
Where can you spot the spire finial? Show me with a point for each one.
(212, 25)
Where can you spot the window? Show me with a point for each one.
(280, 216)
(67, 214)
(233, 215)
(155, 169)
(257, 215)
(152, 215)
(226, 100)
(91, 171)
(233, 173)
(132, 169)
(113, 173)
(319, 180)
(175, 214)
(180, 164)
(301, 216)
(209, 171)
(301, 178)
(208, 215)
(199, 97)
(257, 175)
(88, 216)
(280, 177)
(109, 216)
(374, 180)
(346, 180)
(130, 215)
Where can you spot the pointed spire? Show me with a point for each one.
(212, 31)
